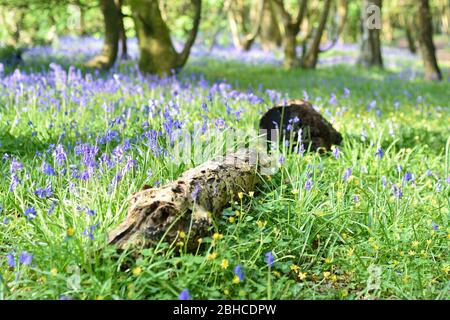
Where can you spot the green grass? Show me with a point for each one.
(326, 245)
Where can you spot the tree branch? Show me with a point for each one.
(184, 54)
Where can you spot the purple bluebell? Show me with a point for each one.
(11, 260)
(336, 153)
(308, 184)
(239, 272)
(30, 213)
(25, 258)
(269, 258)
(379, 153)
(184, 295)
(347, 174)
(195, 192)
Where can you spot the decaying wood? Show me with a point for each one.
(189, 203)
(300, 116)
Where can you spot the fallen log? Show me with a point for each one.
(183, 210)
(189, 203)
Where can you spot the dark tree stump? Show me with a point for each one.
(298, 115)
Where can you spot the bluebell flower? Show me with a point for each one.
(25, 258)
(379, 153)
(269, 258)
(238, 272)
(397, 192)
(47, 169)
(30, 213)
(347, 173)
(184, 295)
(10, 260)
(308, 184)
(195, 192)
(60, 155)
(336, 153)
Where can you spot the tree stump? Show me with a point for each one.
(299, 116)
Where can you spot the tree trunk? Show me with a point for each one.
(189, 203)
(290, 48)
(111, 16)
(122, 33)
(291, 26)
(310, 57)
(82, 30)
(410, 38)
(370, 54)
(238, 16)
(426, 44)
(157, 53)
(270, 33)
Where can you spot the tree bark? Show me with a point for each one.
(270, 33)
(290, 48)
(310, 57)
(111, 16)
(246, 41)
(370, 54)
(122, 33)
(291, 26)
(426, 44)
(189, 203)
(157, 53)
(410, 38)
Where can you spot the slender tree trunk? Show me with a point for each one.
(370, 54)
(157, 53)
(410, 38)
(111, 43)
(122, 33)
(426, 44)
(82, 20)
(310, 57)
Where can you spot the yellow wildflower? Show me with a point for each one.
(302, 275)
(224, 264)
(137, 271)
(350, 252)
(217, 236)
(261, 224)
(212, 256)
(294, 268)
(70, 232)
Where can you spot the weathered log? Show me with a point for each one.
(300, 116)
(189, 203)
